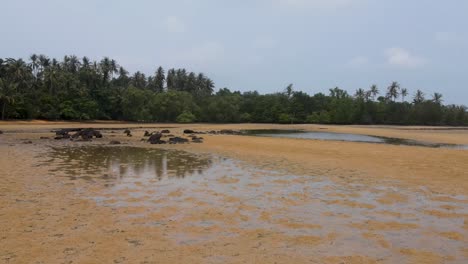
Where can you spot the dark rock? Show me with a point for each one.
(44, 137)
(156, 137)
(165, 131)
(114, 142)
(178, 140)
(159, 142)
(229, 132)
(27, 142)
(85, 134)
(147, 134)
(189, 131)
(197, 140)
(127, 131)
(1, 132)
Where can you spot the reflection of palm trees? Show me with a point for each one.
(128, 162)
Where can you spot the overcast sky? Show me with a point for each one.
(258, 44)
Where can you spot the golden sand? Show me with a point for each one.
(43, 219)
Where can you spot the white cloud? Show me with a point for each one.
(358, 62)
(403, 58)
(174, 25)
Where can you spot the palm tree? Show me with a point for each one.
(289, 90)
(374, 91)
(360, 94)
(404, 93)
(418, 97)
(209, 86)
(393, 91)
(437, 98)
(34, 64)
(338, 93)
(7, 94)
(159, 79)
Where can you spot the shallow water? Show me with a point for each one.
(347, 137)
(224, 197)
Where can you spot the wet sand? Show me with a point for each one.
(279, 200)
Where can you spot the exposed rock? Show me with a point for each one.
(189, 131)
(229, 132)
(1, 132)
(114, 142)
(197, 140)
(165, 131)
(147, 134)
(44, 137)
(65, 131)
(178, 140)
(27, 142)
(158, 142)
(128, 132)
(86, 134)
(155, 138)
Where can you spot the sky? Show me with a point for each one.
(258, 45)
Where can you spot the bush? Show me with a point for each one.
(284, 118)
(185, 117)
(246, 118)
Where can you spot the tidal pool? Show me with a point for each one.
(346, 137)
(207, 198)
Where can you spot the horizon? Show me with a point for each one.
(278, 42)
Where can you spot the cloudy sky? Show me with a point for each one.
(258, 44)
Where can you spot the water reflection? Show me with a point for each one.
(347, 137)
(97, 162)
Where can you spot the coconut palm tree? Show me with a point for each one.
(374, 91)
(418, 97)
(34, 64)
(393, 91)
(159, 79)
(437, 98)
(289, 90)
(360, 94)
(7, 94)
(404, 93)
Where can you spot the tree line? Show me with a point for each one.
(80, 89)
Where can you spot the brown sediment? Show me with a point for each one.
(351, 204)
(452, 235)
(391, 198)
(377, 238)
(376, 225)
(419, 256)
(49, 218)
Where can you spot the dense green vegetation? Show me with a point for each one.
(80, 89)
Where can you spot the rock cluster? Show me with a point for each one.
(86, 134)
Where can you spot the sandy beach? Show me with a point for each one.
(303, 201)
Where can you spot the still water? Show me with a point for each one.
(224, 197)
(346, 137)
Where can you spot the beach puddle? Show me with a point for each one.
(300, 134)
(199, 199)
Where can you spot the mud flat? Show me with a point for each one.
(231, 199)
